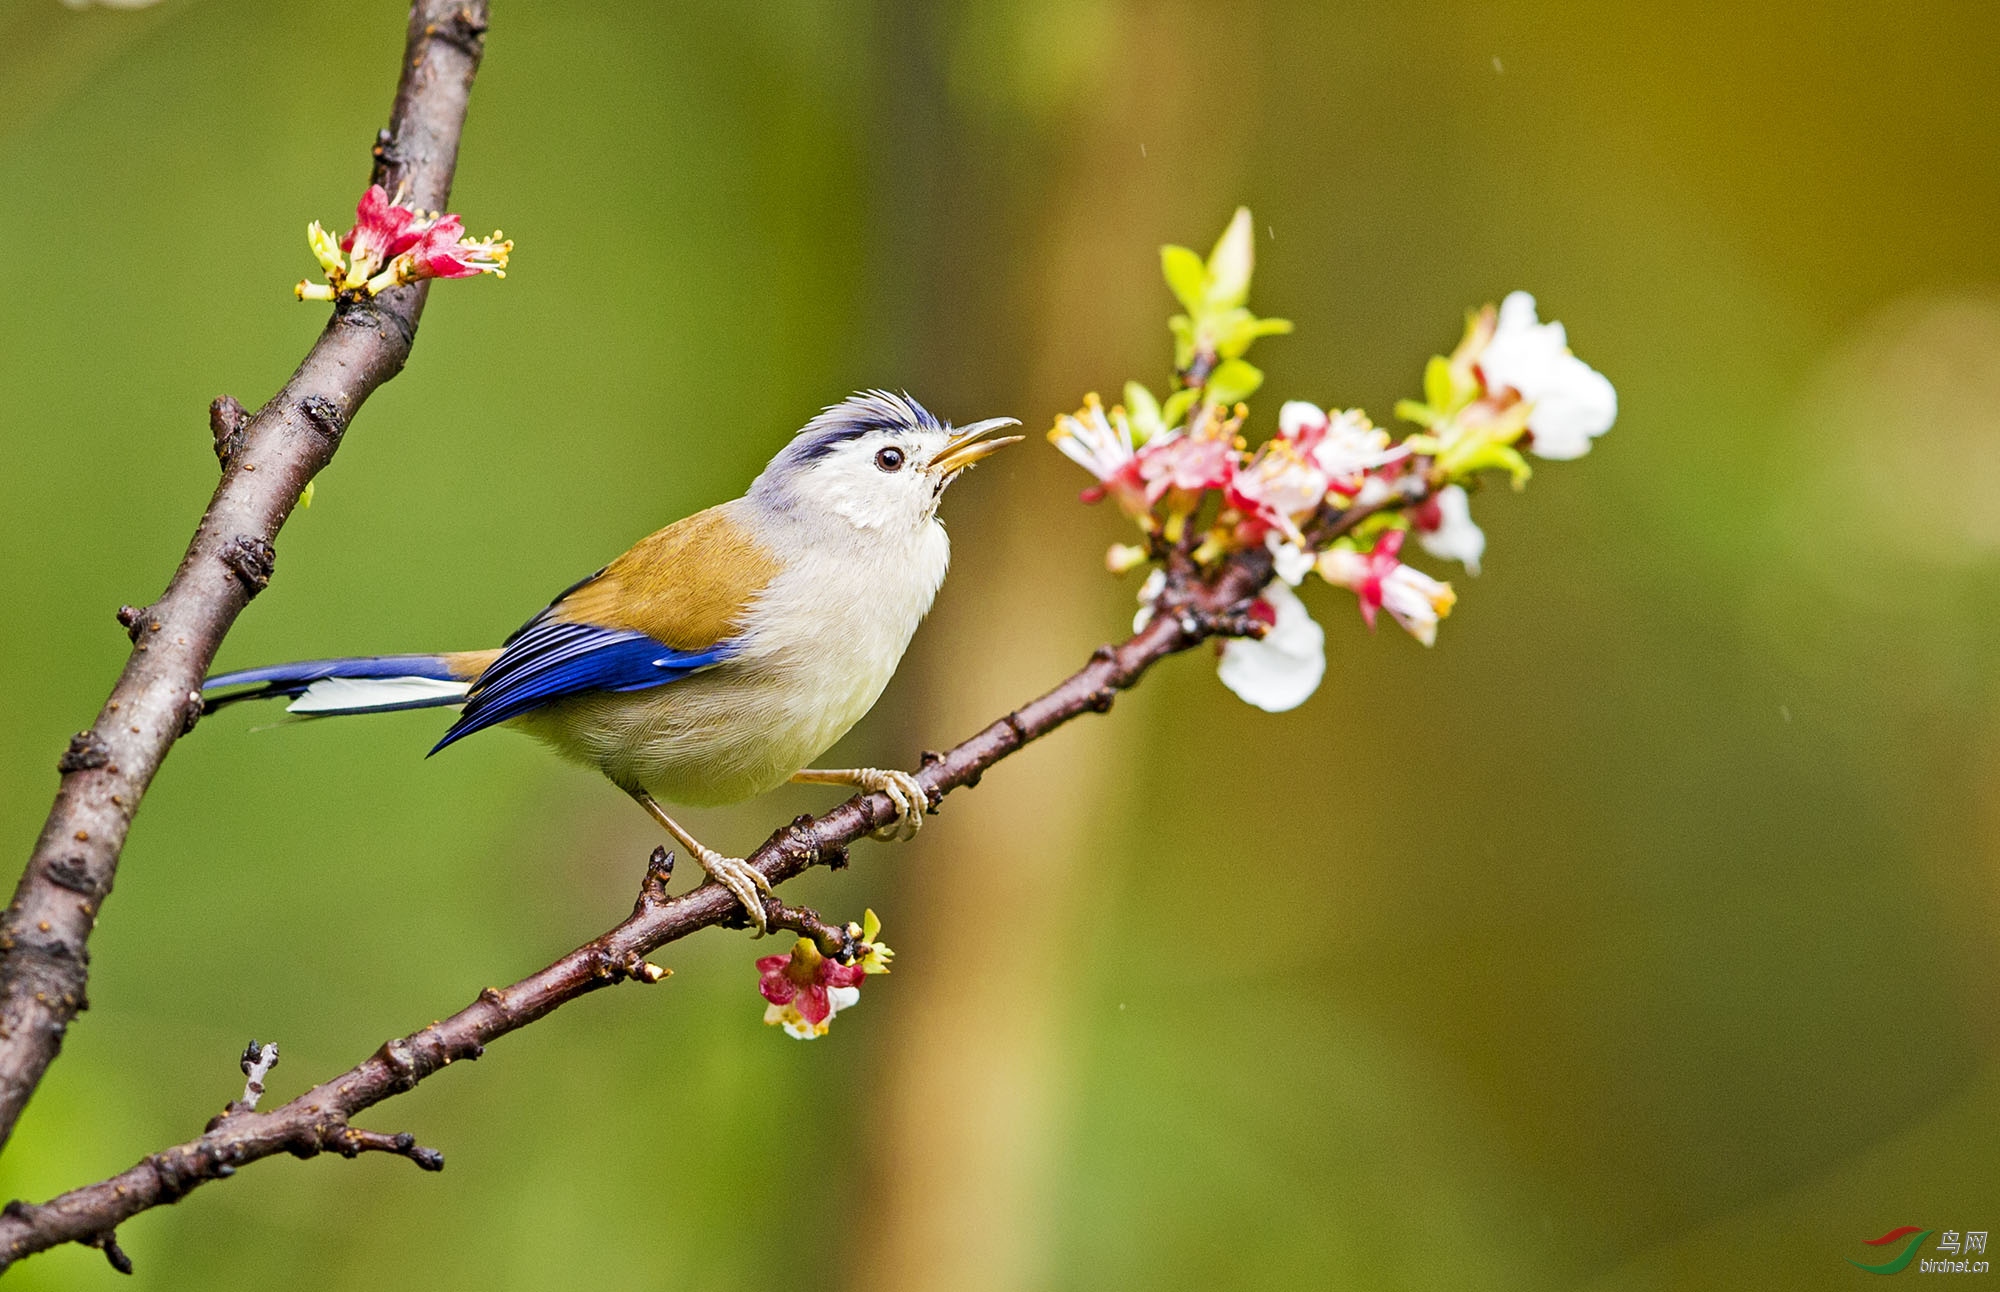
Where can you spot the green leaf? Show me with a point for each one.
(306, 498)
(1487, 457)
(1233, 331)
(1412, 411)
(1438, 382)
(1144, 411)
(1233, 380)
(1230, 264)
(1176, 407)
(1375, 524)
(1186, 276)
(1236, 329)
(1183, 329)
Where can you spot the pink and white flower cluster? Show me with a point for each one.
(1162, 479)
(1512, 384)
(392, 244)
(805, 989)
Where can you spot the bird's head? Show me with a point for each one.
(876, 461)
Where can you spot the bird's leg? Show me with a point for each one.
(730, 872)
(903, 789)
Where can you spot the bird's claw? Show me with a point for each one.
(745, 881)
(906, 792)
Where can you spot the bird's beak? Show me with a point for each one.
(966, 448)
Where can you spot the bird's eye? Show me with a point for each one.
(890, 459)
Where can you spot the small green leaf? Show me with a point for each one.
(1144, 411)
(1412, 411)
(1233, 380)
(306, 497)
(1230, 264)
(1375, 524)
(1236, 329)
(1233, 331)
(1186, 276)
(1487, 457)
(1437, 382)
(1176, 407)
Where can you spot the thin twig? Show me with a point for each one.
(1190, 610)
(258, 1060)
(268, 459)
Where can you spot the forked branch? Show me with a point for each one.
(268, 459)
(1191, 610)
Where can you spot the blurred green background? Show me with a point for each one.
(1640, 935)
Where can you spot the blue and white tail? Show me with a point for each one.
(326, 688)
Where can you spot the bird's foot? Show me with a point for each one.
(905, 791)
(733, 873)
(740, 878)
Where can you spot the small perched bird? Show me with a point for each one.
(717, 657)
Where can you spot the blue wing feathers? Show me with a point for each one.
(552, 658)
(548, 659)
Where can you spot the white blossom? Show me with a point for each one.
(837, 999)
(1572, 402)
(1093, 441)
(1457, 536)
(1297, 415)
(1281, 670)
(1290, 561)
(1341, 444)
(1417, 601)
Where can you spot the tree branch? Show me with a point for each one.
(157, 699)
(1191, 610)
(268, 459)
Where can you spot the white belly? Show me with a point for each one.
(716, 737)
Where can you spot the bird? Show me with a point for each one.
(719, 656)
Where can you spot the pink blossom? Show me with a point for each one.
(445, 252)
(1276, 487)
(1188, 464)
(1344, 445)
(1380, 581)
(1103, 446)
(391, 244)
(806, 989)
(382, 230)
